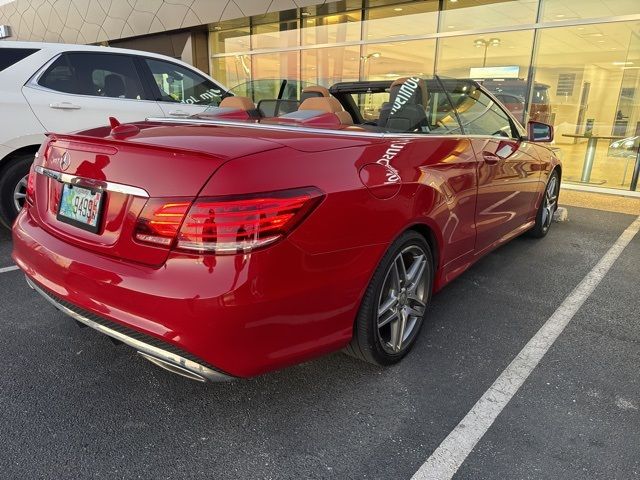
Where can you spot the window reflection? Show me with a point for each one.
(476, 14)
(561, 10)
(388, 61)
(326, 66)
(400, 19)
(594, 92)
(331, 28)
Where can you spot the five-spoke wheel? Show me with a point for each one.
(394, 305)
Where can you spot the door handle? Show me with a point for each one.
(490, 158)
(179, 113)
(64, 106)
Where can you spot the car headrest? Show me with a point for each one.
(327, 105)
(314, 91)
(412, 90)
(114, 86)
(238, 103)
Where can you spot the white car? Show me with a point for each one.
(48, 87)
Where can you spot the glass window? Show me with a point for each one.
(326, 66)
(386, 61)
(231, 36)
(499, 60)
(592, 79)
(278, 65)
(232, 70)
(96, 74)
(400, 19)
(275, 35)
(559, 10)
(478, 113)
(11, 56)
(337, 28)
(477, 14)
(60, 76)
(178, 84)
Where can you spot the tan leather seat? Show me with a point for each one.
(238, 103)
(327, 105)
(314, 91)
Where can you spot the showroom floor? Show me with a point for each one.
(73, 405)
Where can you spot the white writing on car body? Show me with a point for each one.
(393, 176)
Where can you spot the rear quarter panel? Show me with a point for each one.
(436, 187)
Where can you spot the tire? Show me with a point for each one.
(13, 181)
(387, 343)
(548, 206)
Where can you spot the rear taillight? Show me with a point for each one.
(160, 220)
(31, 186)
(245, 223)
(225, 224)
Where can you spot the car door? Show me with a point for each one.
(81, 90)
(508, 169)
(180, 91)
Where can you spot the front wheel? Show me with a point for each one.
(13, 188)
(548, 206)
(394, 304)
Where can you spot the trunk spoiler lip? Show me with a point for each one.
(79, 138)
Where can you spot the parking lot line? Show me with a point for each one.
(8, 269)
(445, 461)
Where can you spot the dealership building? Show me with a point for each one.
(572, 63)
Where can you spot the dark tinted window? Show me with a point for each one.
(178, 84)
(478, 113)
(96, 74)
(59, 76)
(11, 56)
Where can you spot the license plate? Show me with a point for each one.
(80, 207)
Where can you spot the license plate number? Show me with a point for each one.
(80, 207)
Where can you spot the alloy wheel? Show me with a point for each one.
(550, 202)
(402, 300)
(20, 193)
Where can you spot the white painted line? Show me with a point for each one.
(8, 269)
(445, 461)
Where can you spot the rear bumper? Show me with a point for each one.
(215, 317)
(164, 355)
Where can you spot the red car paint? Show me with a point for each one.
(295, 299)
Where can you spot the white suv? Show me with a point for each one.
(47, 87)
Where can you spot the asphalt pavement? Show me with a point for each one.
(74, 405)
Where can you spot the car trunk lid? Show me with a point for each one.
(128, 171)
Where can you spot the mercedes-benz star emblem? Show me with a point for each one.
(65, 161)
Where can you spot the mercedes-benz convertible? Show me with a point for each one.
(256, 236)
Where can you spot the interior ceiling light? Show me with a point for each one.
(397, 9)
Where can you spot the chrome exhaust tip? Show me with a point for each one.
(173, 368)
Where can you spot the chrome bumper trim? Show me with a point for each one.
(90, 183)
(162, 358)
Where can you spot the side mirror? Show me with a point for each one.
(539, 132)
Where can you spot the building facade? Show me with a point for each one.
(572, 63)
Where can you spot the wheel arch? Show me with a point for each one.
(26, 150)
(430, 236)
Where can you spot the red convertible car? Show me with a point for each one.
(234, 243)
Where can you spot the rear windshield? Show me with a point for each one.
(11, 56)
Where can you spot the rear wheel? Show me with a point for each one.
(394, 305)
(13, 188)
(548, 206)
